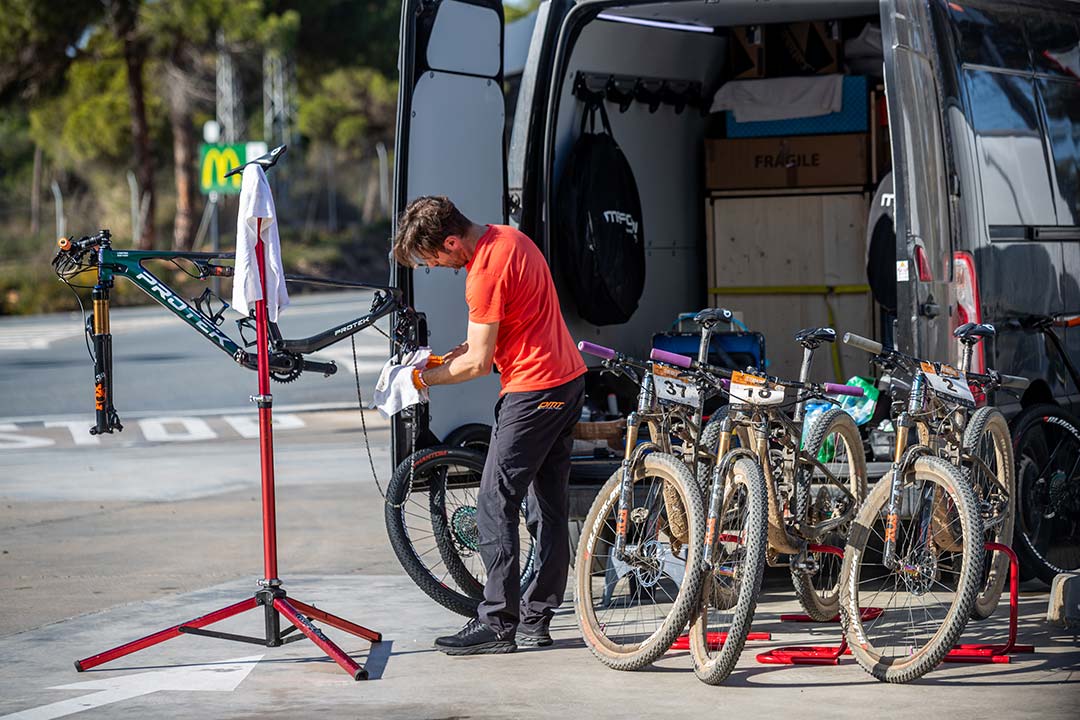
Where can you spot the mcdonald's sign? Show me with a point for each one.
(215, 161)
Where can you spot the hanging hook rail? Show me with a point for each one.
(624, 90)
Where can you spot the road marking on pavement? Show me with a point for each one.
(179, 428)
(224, 676)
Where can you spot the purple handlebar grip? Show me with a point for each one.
(837, 389)
(598, 350)
(670, 358)
(726, 383)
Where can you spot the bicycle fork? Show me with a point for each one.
(716, 491)
(106, 419)
(904, 424)
(633, 426)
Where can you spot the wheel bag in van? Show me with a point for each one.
(600, 239)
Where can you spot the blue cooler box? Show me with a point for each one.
(852, 118)
(734, 350)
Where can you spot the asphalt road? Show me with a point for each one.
(161, 366)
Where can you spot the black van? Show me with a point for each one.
(949, 190)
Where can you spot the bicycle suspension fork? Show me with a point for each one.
(716, 489)
(106, 419)
(903, 431)
(633, 426)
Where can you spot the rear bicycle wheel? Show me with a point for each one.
(826, 501)
(631, 609)
(731, 584)
(1046, 447)
(988, 467)
(430, 518)
(928, 595)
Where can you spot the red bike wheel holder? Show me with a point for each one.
(716, 639)
(271, 596)
(970, 653)
(986, 653)
(812, 654)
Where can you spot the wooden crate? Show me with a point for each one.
(772, 257)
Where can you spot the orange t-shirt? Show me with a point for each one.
(509, 282)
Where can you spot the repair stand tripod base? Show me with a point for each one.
(271, 596)
(275, 604)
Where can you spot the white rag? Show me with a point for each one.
(783, 98)
(395, 390)
(257, 202)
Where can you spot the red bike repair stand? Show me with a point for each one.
(974, 653)
(271, 596)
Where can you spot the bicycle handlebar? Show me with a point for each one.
(866, 344)
(598, 350)
(671, 358)
(838, 389)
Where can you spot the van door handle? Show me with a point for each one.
(929, 308)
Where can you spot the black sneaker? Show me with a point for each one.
(476, 638)
(534, 635)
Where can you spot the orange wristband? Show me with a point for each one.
(435, 360)
(418, 379)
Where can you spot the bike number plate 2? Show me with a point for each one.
(947, 381)
(674, 389)
(753, 390)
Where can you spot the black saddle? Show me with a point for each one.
(812, 337)
(971, 333)
(711, 316)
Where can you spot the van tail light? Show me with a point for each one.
(922, 265)
(966, 285)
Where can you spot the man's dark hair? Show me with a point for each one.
(424, 226)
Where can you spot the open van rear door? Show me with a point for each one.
(923, 236)
(450, 130)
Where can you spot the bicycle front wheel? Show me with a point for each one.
(632, 607)
(732, 582)
(928, 589)
(988, 468)
(827, 497)
(1046, 446)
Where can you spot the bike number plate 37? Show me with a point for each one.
(947, 381)
(674, 389)
(753, 390)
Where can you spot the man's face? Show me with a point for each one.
(450, 255)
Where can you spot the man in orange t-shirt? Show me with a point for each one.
(514, 322)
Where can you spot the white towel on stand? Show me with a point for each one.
(395, 390)
(256, 201)
(784, 98)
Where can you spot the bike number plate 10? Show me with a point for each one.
(753, 390)
(669, 386)
(949, 382)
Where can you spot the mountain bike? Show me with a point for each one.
(638, 570)
(916, 548)
(811, 491)
(815, 472)
(1046, 445)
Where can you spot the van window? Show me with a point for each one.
(990, 36)
(1055, 42)
(1062, 102)
(1012, 158)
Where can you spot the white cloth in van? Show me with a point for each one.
(783, 98)
(394, 390)
(256, 201)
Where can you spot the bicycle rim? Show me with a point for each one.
(927, 599)
(631, 609)
(988, 467)
(1047, 450)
